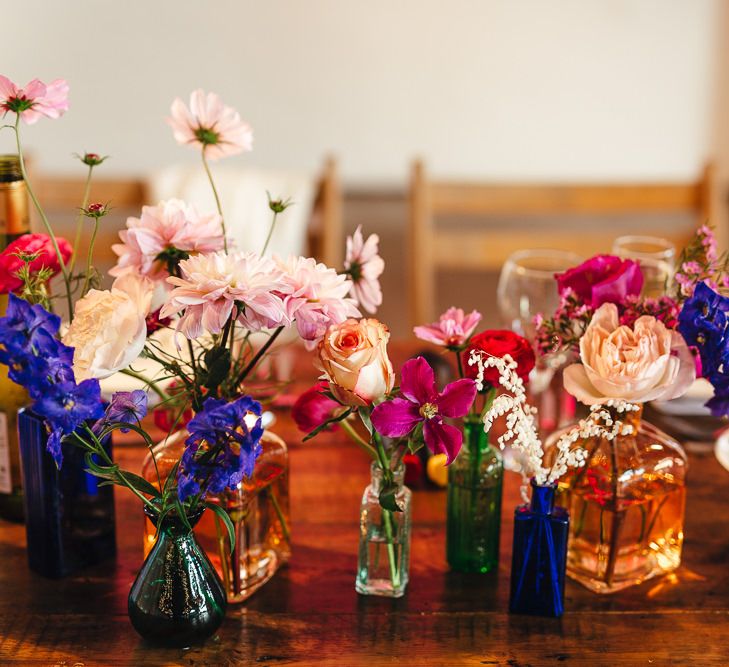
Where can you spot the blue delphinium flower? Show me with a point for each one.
(704, 324)
(38, 361)
(221, 449)
(126, 406)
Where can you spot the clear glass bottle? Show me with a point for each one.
(14, 222)
(539, 555)
(473, 517)
(258, 508)
(384, 539)
(177, 598)
(627, 507)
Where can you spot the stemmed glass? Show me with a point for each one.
(527, 287)
(656, 256)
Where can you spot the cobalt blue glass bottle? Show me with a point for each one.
(539, 557)
(69, 516)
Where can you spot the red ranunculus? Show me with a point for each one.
(313, 408)
(602, 279)
(498, 343)
(31, 244)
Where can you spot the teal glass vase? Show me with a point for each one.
(177, 598)
(473, 522)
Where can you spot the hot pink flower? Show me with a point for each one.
(423, 404)
(313, 408)
(30, 244)
(212, 284)
(35, 100)
(602, 279)
(172, 225)
(208, 123)
(364, 266)
(316, 296)
(452, 329)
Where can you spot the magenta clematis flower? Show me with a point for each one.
(452, 329)
(36, 99)
(422, 403)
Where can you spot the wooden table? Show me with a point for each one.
(309, 614)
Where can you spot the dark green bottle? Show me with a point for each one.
(177, 598)
(473, 519)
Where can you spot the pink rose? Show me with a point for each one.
(313, 408)
(602, 279)
(647, 362)
(31, 244)
(353, 355)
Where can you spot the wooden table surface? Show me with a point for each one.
(309, 614)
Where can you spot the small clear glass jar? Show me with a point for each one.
(384, 538)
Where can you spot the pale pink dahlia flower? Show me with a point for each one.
(208, 123)
(170, 226)
(210, 285)
(35, 100)
(452, 329)
(364, 266)
(316, 296)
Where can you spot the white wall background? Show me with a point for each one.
(586, 89)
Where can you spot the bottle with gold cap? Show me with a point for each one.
(14, 222)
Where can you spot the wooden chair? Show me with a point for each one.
(487, 246)
(62, 195)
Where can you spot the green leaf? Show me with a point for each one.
(217, 362)
(327, 423)
(387, 497)
(223, 515)
(364, 415)
(416, 440)
(141, 484)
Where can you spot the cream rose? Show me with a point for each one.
(353, 355)
(109, 327)
(646, 363)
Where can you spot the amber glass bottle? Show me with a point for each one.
(14, 222)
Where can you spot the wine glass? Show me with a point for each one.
(527, 287)
(657, 259)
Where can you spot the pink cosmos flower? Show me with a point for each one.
(35, 100)
(170, 226)
(316, 296)
(208, 123)
(423, 404)
(452, 329)
(364, 266)
(211, 285)
(30, 244)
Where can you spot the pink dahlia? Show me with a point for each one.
(316, 296)
(208, 123)
(165, 233)
(364, 266)
(35, 100)
(453, 328)
(211, 285)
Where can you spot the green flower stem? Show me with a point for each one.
(279, 514)
(80, 220)
(217, 199)
(270, 233)
(90, 258)
(349, 429)
(257, 357)
(46, 224)
(150, 383)
(387, 523)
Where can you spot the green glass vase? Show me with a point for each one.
(177, 598)
(473, 519)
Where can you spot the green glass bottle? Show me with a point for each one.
(473, 519)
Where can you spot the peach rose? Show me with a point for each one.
(353, 355)
(645, 363)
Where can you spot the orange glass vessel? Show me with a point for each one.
(626, 507)
(259, 511)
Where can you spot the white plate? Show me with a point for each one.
(721, 449)
(691, 404)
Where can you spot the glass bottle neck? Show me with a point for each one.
(398, 476)
(542, 498)
(474, 437)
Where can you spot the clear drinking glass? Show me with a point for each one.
(656, 256)
(527, 287)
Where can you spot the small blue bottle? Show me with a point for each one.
(69, 515)
(539, 557)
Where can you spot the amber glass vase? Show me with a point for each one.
(627, 507)
(258, 508)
